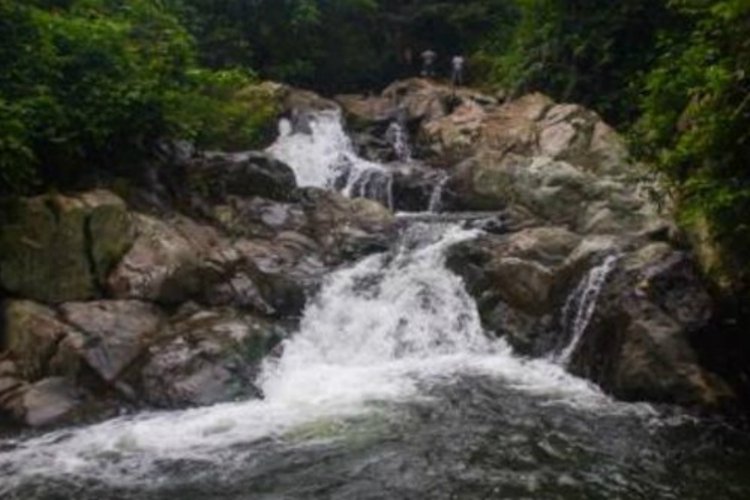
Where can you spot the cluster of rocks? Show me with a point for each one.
(571, 197)
(109, 307)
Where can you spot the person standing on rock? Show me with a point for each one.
(428, 63)
(457, 70)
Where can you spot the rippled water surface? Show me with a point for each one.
(470, 437)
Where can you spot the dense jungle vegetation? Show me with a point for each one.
(90, 86)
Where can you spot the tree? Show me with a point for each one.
(695, 123)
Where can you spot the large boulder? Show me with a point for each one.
(257, 217)
(56, 248)
(48, 369)
(170, 261)
(110, 334)
(454, 136)
(178, 259)
(272, 278)
(306, 101)
(211, 356)
(346, 228)
(554, 191)
(639, 344)
(473, 127)
(210, 179)
(517, 280)
(456, 124)
(421, 100)
(32, 334)
(572, 133)
(362, 111)
(560, 161)
(48, 401)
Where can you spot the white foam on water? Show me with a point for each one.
(325, 158)
(379, 331)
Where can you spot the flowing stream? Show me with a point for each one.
(392, 390)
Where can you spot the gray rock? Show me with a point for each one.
(212, 356)
(170, 261)
(32, 334)
(518, 279)
(51, 401)
(257, 217)
(347, 228)
(112, 333)
(219, 175)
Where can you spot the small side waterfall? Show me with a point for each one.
(436, 198)
(580, 306)
(398, 138)
(322, 155)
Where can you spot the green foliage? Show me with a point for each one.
(89, 84)
(16, 156)
(586, 51)
(695, 124)
(338, 45)
(230, 111)
(85, 82)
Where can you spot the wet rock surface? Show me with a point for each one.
(209, 356)
(639, 342)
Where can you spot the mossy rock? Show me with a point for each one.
(55, 248)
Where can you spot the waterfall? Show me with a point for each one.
(389, 307)
(322, 155)
(436, 198)
(398, 138)
(580, 305)
(371, 184)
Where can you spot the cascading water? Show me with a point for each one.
(323, 156)
(580, 306)
(436, 198)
